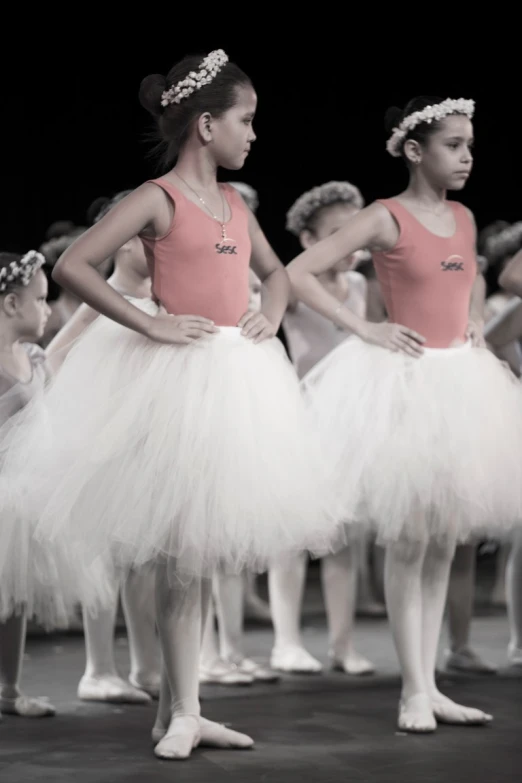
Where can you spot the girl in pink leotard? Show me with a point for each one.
(181, 435)
(423, 425)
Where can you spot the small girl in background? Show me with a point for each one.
(34, 583)
(101, 680)
(319, 213)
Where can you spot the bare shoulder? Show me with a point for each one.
(385, 230)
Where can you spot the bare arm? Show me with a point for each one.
(373, 227)
(145, 209)
(511, 276)
(59, 347)
(275, 287)
(506, 327)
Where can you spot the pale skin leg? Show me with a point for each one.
(514, 600)
(286, 583)
(12, 646)
(416, 581)
(140, 618)
(181, 616)
(339, 578)
(101, 681)
(461, 593)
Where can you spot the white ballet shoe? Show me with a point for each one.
(150, 686)
(448, 711)
(224, 673)
(467, 660)
(514, 655)
(213, 735)
(110, 689)
(354, 664)
(294, 659)
(182, 736)
(416, 715)
(257, 671)
(25, 707)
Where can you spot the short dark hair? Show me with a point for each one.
(421, 132)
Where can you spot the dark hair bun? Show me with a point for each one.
(392, 118)
(151, 90)
(95, 208)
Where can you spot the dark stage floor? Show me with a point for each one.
(323, 729)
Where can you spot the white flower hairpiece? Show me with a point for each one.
(21, 271)
(429, 115)
(208, 70)
(299, 214)
(505, 243)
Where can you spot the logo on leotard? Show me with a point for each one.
(453, 264)
(229, 249)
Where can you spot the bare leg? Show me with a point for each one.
(367, 603)
(435, 577)
(461, 593)
(175, 731)
(403, 582)
(498, 593)
(229, 598)
(12, 645)
(339, 577)
(140, 618)
(254, 608)
(514, 600)
(286, 583)
(101, 681)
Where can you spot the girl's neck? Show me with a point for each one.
(424, 193)
(9, 342)
(195, 166)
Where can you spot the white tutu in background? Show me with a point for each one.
(421, 446)
(203, 452)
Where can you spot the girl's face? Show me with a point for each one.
(232, 133)
(32, 310)
(329, 220)
(446, 160)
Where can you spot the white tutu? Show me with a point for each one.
(202, 452)
(421, 446)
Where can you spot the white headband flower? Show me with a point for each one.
(298, 216)
(208, 70)
(429, 115)
(21, 271)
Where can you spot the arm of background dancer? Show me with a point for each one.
(478, 293)
(511, 276)
(369, 228)
(276, 286)
(76, 270)
(59, 347)
(506, 327)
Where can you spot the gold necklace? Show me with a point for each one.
(224, 237)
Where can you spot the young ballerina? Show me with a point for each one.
(423, 426)
(33, 583)
(101, 680)
(195, 410)
(319, 213)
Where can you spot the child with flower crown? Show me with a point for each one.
(316, 214)
(423, 425)
(192, 449)
(35, 582)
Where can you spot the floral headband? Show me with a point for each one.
(208, 70)
(298, 216)
(429, 115)
(21, 271)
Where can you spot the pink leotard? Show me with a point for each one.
(193, 271)
(426, 280)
